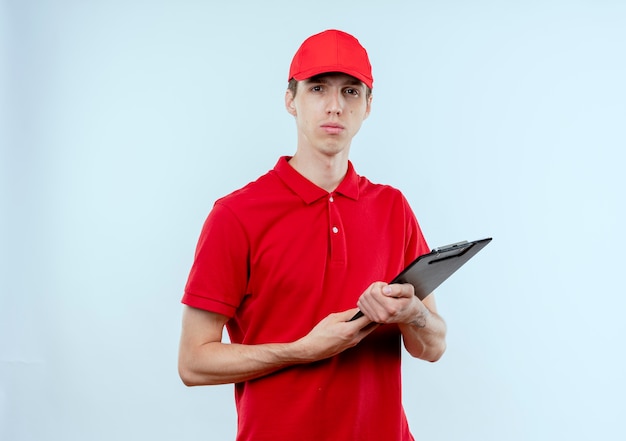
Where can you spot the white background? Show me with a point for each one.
(122, 122)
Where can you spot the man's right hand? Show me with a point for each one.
(334, 334)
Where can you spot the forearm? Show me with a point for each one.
(425, 336)
(220, 363)
(204, 359)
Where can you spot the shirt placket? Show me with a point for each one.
(338, 253)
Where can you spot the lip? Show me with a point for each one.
(332, 128)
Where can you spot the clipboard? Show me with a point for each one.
(430, 270)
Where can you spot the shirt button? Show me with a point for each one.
(331, 199)
(335, 230)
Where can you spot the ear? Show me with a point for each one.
(290, 105)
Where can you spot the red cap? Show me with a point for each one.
(331, 51)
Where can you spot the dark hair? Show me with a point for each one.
(293, 87)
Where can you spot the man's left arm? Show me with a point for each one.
(423, 330)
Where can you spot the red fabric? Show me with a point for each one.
(331, 51)
(268, 257)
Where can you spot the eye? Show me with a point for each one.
(352, 91)
(317, 88)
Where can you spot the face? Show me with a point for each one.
(329, 110)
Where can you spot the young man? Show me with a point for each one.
(285, 262)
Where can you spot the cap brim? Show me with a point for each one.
(318, 70)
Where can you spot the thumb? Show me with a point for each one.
(349, 315)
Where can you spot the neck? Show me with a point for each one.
(324, 171)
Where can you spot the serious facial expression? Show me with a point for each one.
(329, 110)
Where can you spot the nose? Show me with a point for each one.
(335, 103)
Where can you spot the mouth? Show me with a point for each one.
(332, 128)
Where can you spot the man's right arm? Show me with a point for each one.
(204, 360)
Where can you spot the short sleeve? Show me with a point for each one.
(219, 275)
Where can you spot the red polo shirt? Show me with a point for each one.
(279, 255)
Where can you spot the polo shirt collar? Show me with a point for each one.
(307, 190)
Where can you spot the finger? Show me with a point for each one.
(348, 315)
(369, 328)
(372, 307)
(399, 290)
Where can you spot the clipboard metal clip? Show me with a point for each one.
(452, 246)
